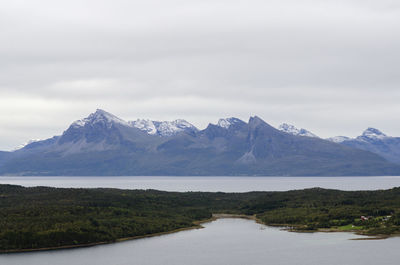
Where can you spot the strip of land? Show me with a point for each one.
(43, 218)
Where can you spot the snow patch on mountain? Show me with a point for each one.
(169, 128)
(369, 135)
(228, 122)
(224, 123)
(163, 128)
(26, 143)
(144, 125)
(373, 134)
(290, 129)
(338, 139)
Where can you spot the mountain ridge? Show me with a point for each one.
(103, 144)
(291, 129)
(375, 141)
(371, 139)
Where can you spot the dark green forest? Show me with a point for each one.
(43, 217)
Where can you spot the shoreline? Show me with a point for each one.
(292, 228)
(198, 225)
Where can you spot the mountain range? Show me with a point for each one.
(372, 140)
(103, 144)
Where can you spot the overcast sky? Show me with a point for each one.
(330, 66)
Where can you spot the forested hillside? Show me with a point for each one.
(41, 217)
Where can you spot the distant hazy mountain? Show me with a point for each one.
(374, 141)
(288, 128)
(103, 144)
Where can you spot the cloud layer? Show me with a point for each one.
(329, 66)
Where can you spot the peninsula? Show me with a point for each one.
(50, 218)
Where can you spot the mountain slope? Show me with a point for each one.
(103, 144)
(3, 156)
(376, 142)
(288, 128)
(371, 140)
(282, 154)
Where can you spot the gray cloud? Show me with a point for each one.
(329, 66)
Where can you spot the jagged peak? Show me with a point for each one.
(101, 112)
(287, 127)
(99, 116)
(256, 120)
(373, 133)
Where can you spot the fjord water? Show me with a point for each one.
(225, 241)
(222, 242)
(212, 184)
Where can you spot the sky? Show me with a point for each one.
(330, 66)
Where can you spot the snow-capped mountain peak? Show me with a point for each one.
(169, 128)
(100, 116)
(226, 123)
(369, 135)
(372, 133)
(163, 128)
(291, 129)
(144, 125)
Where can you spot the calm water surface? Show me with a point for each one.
(226, 242)
(226, 184)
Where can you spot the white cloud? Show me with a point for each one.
(329, 66)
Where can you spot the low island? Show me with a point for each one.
(42, 218)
